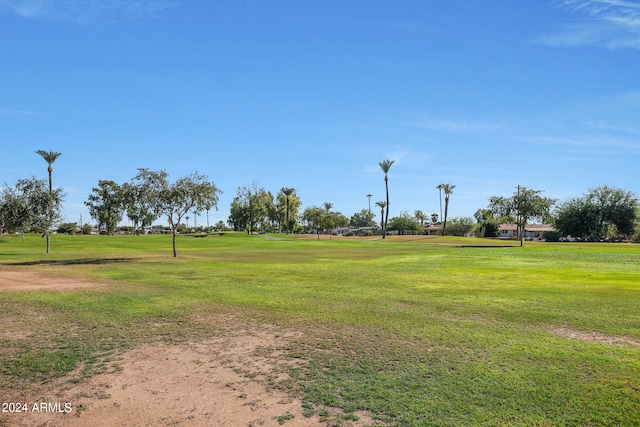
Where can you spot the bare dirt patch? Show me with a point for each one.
(236, 379)
(619, 341)
(13, 280)
(210, 383)
(228, 381)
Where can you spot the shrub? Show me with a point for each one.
(460, 226)
(67, 228)
(551, 236)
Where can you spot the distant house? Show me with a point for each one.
(531, 231)
(353, 231)
(534, 231)
(433, 229)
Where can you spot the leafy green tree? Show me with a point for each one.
(335, 219)
(579, 217)
(460, 226)
(192, 193)
(270, 211)
(50, 157)
(67, 228)
(138, 211)
(313, 217)
(15, 214)
(364, 218)
(31, 204)
(488, 225)
(86, 229)
(524, 205)
(603, 211)
(141, 196)
(618, 209)
(106, 205)
(324, 219)
(404, 223)
(420, 216)
(385, 165)
(249, 208)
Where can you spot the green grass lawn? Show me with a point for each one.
(443, 332)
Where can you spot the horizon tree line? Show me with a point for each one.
(601, 212)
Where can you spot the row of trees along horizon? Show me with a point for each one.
(603, 213)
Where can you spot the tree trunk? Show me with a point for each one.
(521, 227)
(287, 216)
(175, 253)
(386, 218)
(50, 208)
(446, 212)
(440, 190)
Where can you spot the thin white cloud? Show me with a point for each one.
(12, 113)
(613, 24)
(421, 120)
(85, 12)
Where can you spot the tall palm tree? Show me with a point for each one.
(288, 192)
(448, 190)
(49, 157)
(385, 165)
(439, 187)
(369, 196)
(381, 205)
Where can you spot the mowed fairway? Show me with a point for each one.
(427, 332)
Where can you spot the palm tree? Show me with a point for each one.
(369, 196)
(381, 205)
(448, 190)
(328, 222)
(287, 191)
(420, 216)
(49, 157)
(439, 187)
(385, 165)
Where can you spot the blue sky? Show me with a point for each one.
(314, 94)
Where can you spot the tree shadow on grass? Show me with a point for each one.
(78, 261)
